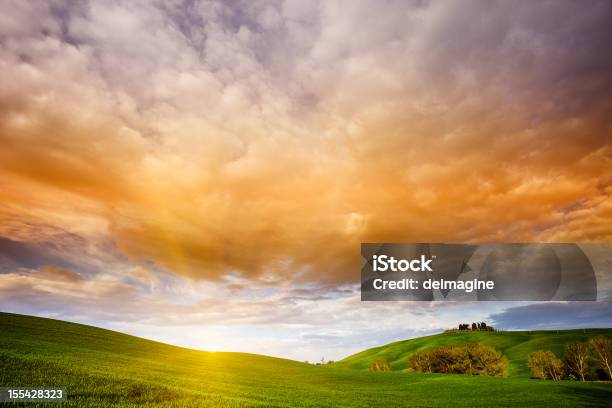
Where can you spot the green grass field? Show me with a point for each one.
(105, 368)
(515, 345)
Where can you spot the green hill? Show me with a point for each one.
(105, 368)
(515, 345)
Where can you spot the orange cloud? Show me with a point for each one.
(225, 150)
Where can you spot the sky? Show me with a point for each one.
(203, 172)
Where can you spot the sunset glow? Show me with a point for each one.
(203, 173)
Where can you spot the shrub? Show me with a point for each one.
(420, 361)
(472, 359)
(379, 365)
(484, 360)
(545, 365)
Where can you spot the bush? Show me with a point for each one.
(472, 359)
(421, 361)
(379, 365)
(545, 365)
(484, 360)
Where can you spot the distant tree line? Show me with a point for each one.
(477, 326)
(471, 359)
(581, 361)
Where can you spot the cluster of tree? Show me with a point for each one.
(379, 365)
(478, 326)
(472, 359)
(583, 361)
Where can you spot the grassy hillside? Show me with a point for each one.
(105, 368)
(515, 345)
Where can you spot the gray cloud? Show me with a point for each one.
(555, 316)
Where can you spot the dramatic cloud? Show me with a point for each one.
(270, 138)
(260, 142)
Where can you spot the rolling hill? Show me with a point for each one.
(104, 368)
(515, 345)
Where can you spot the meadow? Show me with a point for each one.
(515, 345)
(106, 368)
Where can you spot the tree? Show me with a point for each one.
(575, 359)
(379, 365)
(545, 365)
(601, 348)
